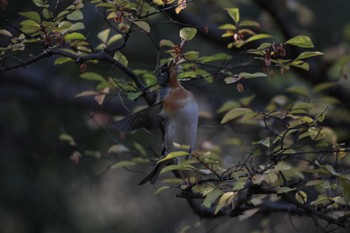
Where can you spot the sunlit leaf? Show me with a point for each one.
(224, 200)
(75, 15)
(247, 214)
(103, 35)
(118, 148)
(121, 58)
(251, 75)
(301, 197)
(234, 14)
(5, 33)
(228, 26)
(181, 4)
(308, 54)
(258, 37)
(211, 197)
(166, 43)
(68, 138)
(173, 155)
(76, 27)
(188, 33)
(92, 76)
(62, 60)
(301, 41)
(235, 113)
(143, 25)
(300, 64)
(191, 55)
(114, 39)
(74, 36)
(101, 95)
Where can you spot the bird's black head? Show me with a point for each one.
(163, 73)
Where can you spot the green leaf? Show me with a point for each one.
(76, 27)
(323, 87)
(191, 55)
(114, 39)
(299, 90)
(47, 14)
(210, 197)
(188, 33)
(301, 41)
(249, 23)
(134, 95)
(258, 37)
(284, 190)
(227, 106)
(118, 148)
(39, 3)
(228, 26)
(62, 60)
(92, 76)
(245, 101)
(249, 75)
(75, 15)
(103, 35)
(74, 36)
(68, 138)
(5, 33)
(176, 167)
(215, 57)
(161, 189)
(173, 155)
(300, 64)
(121, 58)
(301, 197)
(234, 14)
(346, 190)
(224, 200)
(143, 25)
(235, 113)
(166, 43)
(308, 54)
(31, 15)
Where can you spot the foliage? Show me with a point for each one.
(295, 160)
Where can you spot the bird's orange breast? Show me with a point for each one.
(176, 99)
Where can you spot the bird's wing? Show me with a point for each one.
(147, 118)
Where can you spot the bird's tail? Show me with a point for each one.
(152, 176)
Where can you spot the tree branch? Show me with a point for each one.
(101, 56)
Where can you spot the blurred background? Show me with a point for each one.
(44, 190)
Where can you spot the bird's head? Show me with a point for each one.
(165, 72)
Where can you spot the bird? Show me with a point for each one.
(175, 113)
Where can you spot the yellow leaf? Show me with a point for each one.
(101, 95)
(225, 199)
(86, 93)
(181, 4)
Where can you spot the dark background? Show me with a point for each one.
(41, 190)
